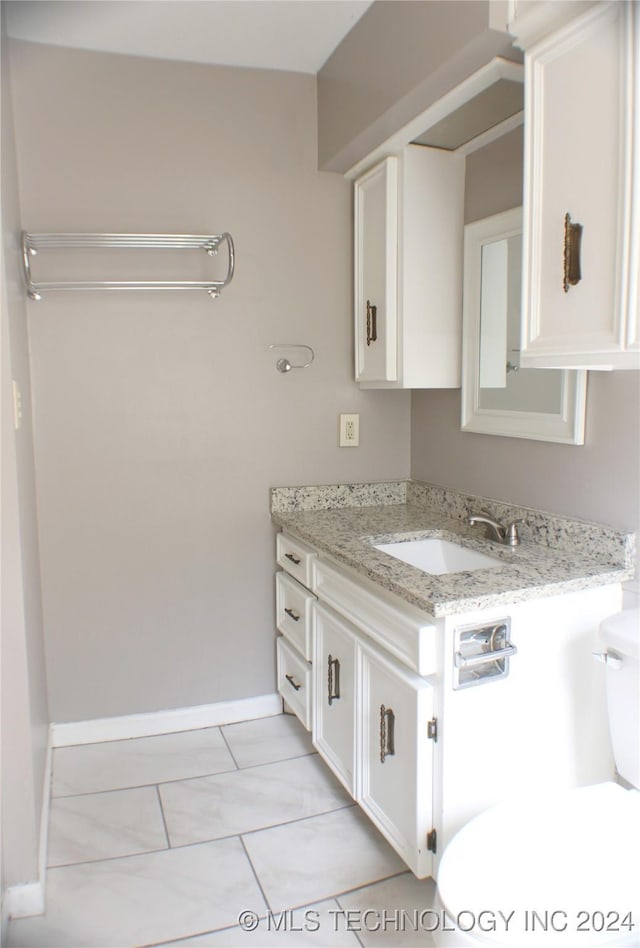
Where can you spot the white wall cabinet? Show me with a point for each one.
(409, 221)
(582, 167)
(421, 745)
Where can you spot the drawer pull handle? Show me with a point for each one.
(293, 615)
(387, 733)
(372, 323)
(572, 243)
(333, 680)
(292, 682)
(294, 559)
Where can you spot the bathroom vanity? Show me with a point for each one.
(432, 696)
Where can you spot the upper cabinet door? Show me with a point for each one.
(376, 273)
(408, 270)
(581, 202)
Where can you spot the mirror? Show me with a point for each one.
(498, 397)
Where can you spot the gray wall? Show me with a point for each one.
(399, 59)
(160, 420)
(23, 686)
(595, 481)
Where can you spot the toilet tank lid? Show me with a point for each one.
(622, 632)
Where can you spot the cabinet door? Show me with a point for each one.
(334, 720)
(396, 751)
(375, 258)
(580, 113)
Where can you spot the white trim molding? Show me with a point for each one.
(153, 723)
(28, 898)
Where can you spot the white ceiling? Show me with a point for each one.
(293, 35)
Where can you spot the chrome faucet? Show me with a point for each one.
(503, 534)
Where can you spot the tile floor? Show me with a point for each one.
(168, 840)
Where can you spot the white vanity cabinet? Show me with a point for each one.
(371, 723)
(408, 270)
(420, 721)
(581, 187)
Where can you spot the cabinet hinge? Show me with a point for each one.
(432, 841)
(432, 729)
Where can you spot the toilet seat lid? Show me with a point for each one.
(574, 854)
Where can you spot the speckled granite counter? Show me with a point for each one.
(556, 555)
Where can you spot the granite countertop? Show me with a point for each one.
(555, 556)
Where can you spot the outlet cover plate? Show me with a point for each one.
(349, 431)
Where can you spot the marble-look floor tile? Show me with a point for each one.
(322, 925)
(317, 858)
(396, 912)
(250, 799)
(141, 900)
(113, 765)
(267, 739)
(104, 825)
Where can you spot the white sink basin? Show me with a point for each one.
(438, 556)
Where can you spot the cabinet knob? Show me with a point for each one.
(372, 323)
(572, 247)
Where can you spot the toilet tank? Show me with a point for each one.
(621, 635)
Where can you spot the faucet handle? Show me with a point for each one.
(511, 536)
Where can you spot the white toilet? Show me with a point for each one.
(563, 869)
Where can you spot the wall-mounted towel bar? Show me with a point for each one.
(32, 244)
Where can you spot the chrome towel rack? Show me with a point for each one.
(32, 244)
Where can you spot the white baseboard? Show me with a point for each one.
(154, 723)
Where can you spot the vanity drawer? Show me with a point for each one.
(294, 681)
(294, 616)
(295, 557)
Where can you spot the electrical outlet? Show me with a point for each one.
(349, 431)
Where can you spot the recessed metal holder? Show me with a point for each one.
(482, 653)
(285, 365)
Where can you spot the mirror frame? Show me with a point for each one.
(567, 425)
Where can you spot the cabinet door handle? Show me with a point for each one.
(294, 559)
(333, 679)
(293, 683)
(372, 323)
(290, 612)
(387, 735)
(572, 248)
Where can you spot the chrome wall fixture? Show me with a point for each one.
(32, 244)
(284, 365)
